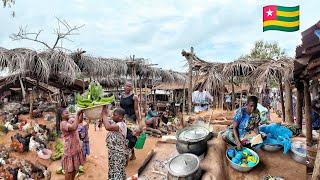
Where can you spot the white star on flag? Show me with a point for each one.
(269, 12)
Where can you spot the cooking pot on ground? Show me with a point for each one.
(193, 140)
(184, 167)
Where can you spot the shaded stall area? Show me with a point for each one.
(306, 76)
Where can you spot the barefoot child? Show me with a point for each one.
(84, 137)
(116, 143)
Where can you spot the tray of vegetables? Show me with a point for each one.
(93, 101)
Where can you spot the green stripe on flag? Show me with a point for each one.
(288, 9)
(281, 28)
(288, 19)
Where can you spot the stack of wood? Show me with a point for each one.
(156, 132)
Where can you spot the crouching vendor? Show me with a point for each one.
(245, 125)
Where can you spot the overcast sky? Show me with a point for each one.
(219, 30)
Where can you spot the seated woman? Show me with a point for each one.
(245, 120)
(152, 119)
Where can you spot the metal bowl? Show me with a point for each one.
(240, 168)
(299, 156)
(271, 147)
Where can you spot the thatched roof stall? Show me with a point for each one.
(306, 70)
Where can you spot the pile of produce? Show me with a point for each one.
(93, 97)
(243, 158)
(58, 151)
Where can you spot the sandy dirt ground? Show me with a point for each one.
(96, 166)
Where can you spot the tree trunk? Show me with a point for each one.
(23, 91)
(288, 103)
(299, 106)
(281, 98)
(307, 112)
(233, 96)
(316, 169)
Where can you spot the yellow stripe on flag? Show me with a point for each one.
(280, 23)
(288, 14)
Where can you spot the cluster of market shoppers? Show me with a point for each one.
(120, 139)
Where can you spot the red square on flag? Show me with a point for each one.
(269, 13)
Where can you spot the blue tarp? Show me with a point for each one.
(277, 134)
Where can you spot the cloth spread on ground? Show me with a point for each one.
(277, 135)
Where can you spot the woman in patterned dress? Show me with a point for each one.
(73, 156)
(116, 143)
(245, 120)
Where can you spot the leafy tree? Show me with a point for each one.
(266, 51)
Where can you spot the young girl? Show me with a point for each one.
(116, 143)
(84, 137)
(73, 156)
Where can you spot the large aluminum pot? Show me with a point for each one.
(193, 140)
(184, 167)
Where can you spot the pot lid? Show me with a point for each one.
(184, 165)
(193, 133)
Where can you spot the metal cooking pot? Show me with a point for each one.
(193, 140)
(184, 167)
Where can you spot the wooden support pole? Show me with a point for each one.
(281, 98)
(140, 88)
(288, 103)
(307, 112)
(233, 98)
(190, 89)
(316, 169)
(299, 86)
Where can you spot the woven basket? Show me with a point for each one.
(93, 113)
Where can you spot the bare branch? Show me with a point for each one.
(69, 31)
(24, 35)
(63, 31)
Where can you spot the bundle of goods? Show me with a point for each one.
(242, 160)
(23, 169)
(58, 151)
(92, 101)
(20, 143)
(93, 97)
